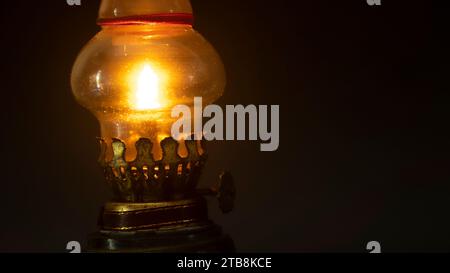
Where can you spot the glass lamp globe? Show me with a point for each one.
(146, 59)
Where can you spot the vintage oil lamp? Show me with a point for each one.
(146, 59)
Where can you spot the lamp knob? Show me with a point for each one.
(225, 191)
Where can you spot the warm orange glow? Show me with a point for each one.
(147, 95)
(131, 76)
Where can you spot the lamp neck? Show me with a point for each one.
(132, 12)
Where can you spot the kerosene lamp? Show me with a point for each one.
(146, 59)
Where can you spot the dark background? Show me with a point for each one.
(354, 162)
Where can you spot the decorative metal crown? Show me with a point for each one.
(148, 180)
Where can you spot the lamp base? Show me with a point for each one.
(158, 227)
(194, 238)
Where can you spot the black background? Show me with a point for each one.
(353, 85)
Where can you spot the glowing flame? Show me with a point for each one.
(147, 94)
